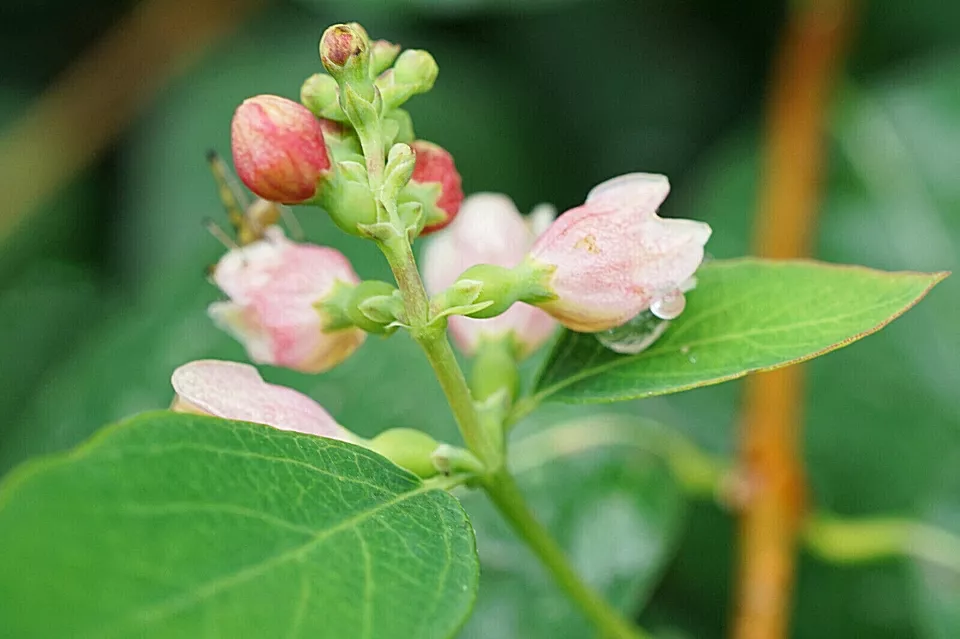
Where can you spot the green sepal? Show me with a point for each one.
(386, 312)
(347, 198)
(426, 194)
(533, 281)
(399, 168)
(412, 217)
(363, 112)
(333, 308)
(458, 299)
(374, 306)
(497, 286)
(404, 125)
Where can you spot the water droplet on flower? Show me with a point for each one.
(669, 306)
(635, 336)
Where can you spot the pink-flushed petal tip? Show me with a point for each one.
(232, 390)
(639, 191)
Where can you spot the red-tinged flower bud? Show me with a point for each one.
(435, 184)
(231, 390)
(613, 257)
(345, 52)
(275, 287)
(278, 149)
(488, 230)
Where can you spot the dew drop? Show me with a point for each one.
(669, 306)
(635, 336)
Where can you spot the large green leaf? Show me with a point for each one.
(614, 508)
(174, 525)
(745, 315)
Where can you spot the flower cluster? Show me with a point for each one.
(500, 281)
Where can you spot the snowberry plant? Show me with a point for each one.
(247, 510)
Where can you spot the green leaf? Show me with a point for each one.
(883, 420)
(613, 507)
(172, 525)
(745, 315)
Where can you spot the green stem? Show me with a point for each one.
(485, 441)
(506, 496)
(454, 385)
(875, 538)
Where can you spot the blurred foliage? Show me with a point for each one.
(102, 292)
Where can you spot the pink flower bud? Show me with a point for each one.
(435, 166)
(488, 230)
(274, 286)
(236, 391)
(614, 256)
(278, 149)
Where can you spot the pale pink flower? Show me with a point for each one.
(614, 256)
(236, 391)
(278, 149)
(488, 230)
(274, 285)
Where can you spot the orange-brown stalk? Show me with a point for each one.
(807, 62)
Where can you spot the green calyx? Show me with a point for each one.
(498, 288)
(422, 455)
(372, 306)
(347, 198)
(409, 448)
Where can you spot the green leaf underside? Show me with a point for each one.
(618, 520)
(746, 315)
(173, 525)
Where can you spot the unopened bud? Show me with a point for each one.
(417, 68)
(345, 53)
(279, 149)
(614, 257)
(414, 72)
(436, 184)
(382, 55)
(321, 94)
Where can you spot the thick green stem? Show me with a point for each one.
(506, 496)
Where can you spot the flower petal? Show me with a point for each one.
(232, 390)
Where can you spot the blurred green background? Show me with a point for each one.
(102, 289)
